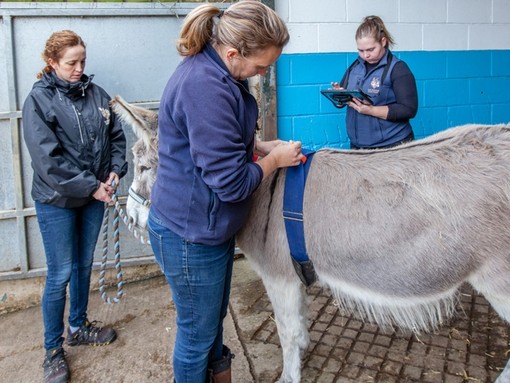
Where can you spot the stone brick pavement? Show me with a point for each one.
(343, 349)
(472, 348)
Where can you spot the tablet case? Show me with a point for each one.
(340, 97)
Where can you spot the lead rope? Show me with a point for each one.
(116, 247)
(128, 222)
(117, 211)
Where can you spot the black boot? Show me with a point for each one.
(220, 371)
(55, 366)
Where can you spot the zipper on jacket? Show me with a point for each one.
(76, 113)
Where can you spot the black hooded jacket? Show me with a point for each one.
(74, 139)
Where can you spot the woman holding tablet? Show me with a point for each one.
(389, 84)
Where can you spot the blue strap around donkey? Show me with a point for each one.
(295, 182)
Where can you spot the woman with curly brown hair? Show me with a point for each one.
(78, 152)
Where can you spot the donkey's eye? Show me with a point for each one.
(145, 168)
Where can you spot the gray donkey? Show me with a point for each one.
(393, 233)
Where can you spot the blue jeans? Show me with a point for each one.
(69, 236)
(199, 277)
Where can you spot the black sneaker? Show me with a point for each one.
(55, 366)
(91, 334)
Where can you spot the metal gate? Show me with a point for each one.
(131, 51)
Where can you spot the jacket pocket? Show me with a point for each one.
(43, 193)
(214, 205)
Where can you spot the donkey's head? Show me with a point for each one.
(144, 123)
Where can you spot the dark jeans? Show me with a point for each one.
(69, 237)
(199, 277)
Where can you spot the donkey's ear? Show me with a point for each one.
(143, 122)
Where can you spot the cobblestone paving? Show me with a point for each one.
(471, 349)
(343, 349)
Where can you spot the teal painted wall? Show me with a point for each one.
(454, 88)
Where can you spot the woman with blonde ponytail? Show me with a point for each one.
(206, 172)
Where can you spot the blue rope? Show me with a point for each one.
(116, 247)
(118, 212)
(129, 224)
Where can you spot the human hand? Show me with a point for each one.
(288, 154)
(113, 180)
(359, 106)
(336, 85)
(263, 148)
(104, 193)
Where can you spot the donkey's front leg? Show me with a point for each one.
(504, 377)
(288, 300)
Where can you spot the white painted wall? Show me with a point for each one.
(417, 25)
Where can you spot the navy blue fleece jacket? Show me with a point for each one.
(206, 174)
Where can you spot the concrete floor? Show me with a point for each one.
(472, 349)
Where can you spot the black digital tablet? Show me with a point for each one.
(340, 97)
